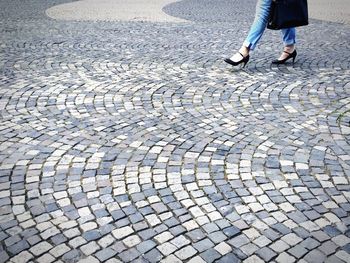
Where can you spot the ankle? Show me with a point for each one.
(289, 48)
(244, 51)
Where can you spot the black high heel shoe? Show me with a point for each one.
(244, 60)
(282, 61)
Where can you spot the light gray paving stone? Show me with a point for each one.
(89, 248)
(284, 257)
(40, 248)
(59, 250)
(167, 248)
(186, 252)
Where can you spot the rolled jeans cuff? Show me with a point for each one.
(290, 42)
(248, 45)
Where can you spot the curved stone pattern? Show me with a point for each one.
(113, 10)
(134, 142)
(335, 11)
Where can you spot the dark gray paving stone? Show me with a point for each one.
(328, 248)
(301, 232)
(346, 248)
(315, 256)
(281, 228)
(239, 241)
(229, 258)
(153, 256)
(271, 234)
(91, 235)
(141, 260)
(196, 235)
(18, 247)
(312, 215)
(211, 227)
(105, 254)
(118, 247)
(333, 259)
(139, 226)
(331, 231)
(217, 237)
(72, 256)
(146, 246)
(298, 217)
(3, 256)
(266, 254)
(203, 245)
(210, 255)
(58, 239)
(231, 231)
(177, 230)
(147, 234)
(129, 255)
(298, 251)
(310, 243)
(320, 236)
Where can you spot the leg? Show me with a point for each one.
(256, 30)
(288, 35)
(259, 25)
(289, 40)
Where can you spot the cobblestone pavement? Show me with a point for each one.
(113, 10)
(134, 142)
(334, 11)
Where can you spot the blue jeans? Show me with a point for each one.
(260, 22)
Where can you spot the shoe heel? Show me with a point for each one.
(245, 61)
(294, 57)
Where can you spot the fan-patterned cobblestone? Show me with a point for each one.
(134, 142)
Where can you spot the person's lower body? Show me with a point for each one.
(258, 27)
(256, 31)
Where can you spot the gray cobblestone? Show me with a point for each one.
(154, 255)
(315, 256)
(46, 258)
(129, 255)
(266, 254)
(40, 248)
(297, 251)
(3, 256)
(210, 255)
(105, 254)
(131, 141)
